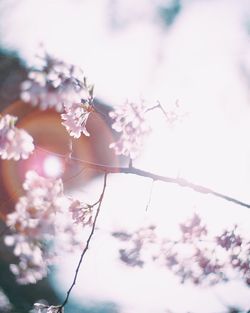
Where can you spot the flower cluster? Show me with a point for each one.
(75, 118)
(42, 308)
(141, 246)
(193, 229)
(82, 213)
(194, 256)
(33, 258)
(238, 250)
(63, 87)
(15, 143)
(41, 200)
(130, 121)
(33, 221)
(40, 215)
(51, 86)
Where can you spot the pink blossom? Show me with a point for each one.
(34, 212)
(130, 121)
(33, 261)
(43, 308)
(75, 119)
(33, 223)
(55, 85)
(40, 215)
(63, 87)
(82, 213)
(15, 143)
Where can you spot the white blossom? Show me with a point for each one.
(129, 120)
(34, 212)
(43, 308)
(75, 119)
(55, 85)
(46, 87)
(40, 308)
(15, 143)
(40, 215)
(33, 261)
(33, 221)
(82, 213)
(63, 87)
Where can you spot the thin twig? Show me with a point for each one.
(130, 165)
(160, 107)
(150, 195)
(87, 245)
(157, 106)
(166, 179)
(82, 170)
(163, 110)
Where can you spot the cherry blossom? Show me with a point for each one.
(43, 308)
(33, 259)
(130, 121)
(35, 211)
(39, 216)
(82, 213)
(33, 221)
(55, 84)
(75, 119)
(63, 87)
(44, 213)
(194, 256)
(15, 143)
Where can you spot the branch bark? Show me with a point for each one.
(155, 177)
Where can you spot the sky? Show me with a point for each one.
(201, 60)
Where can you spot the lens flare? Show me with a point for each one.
(52, 166)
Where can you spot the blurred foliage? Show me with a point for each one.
(12, 72)
(169, 12)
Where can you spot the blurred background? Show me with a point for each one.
(196, 52)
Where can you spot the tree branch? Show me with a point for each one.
(177, 181)
(150, 195)
(155, 177)
(99, 202)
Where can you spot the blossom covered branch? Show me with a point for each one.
(45, 211)
(194, 256)
(15, 143)
(99, 202)
(41, 215)
(63, 87)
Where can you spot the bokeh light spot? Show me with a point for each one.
(52, 166)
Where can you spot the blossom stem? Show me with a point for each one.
(60, 309)
(150, 195)
(160, 107)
